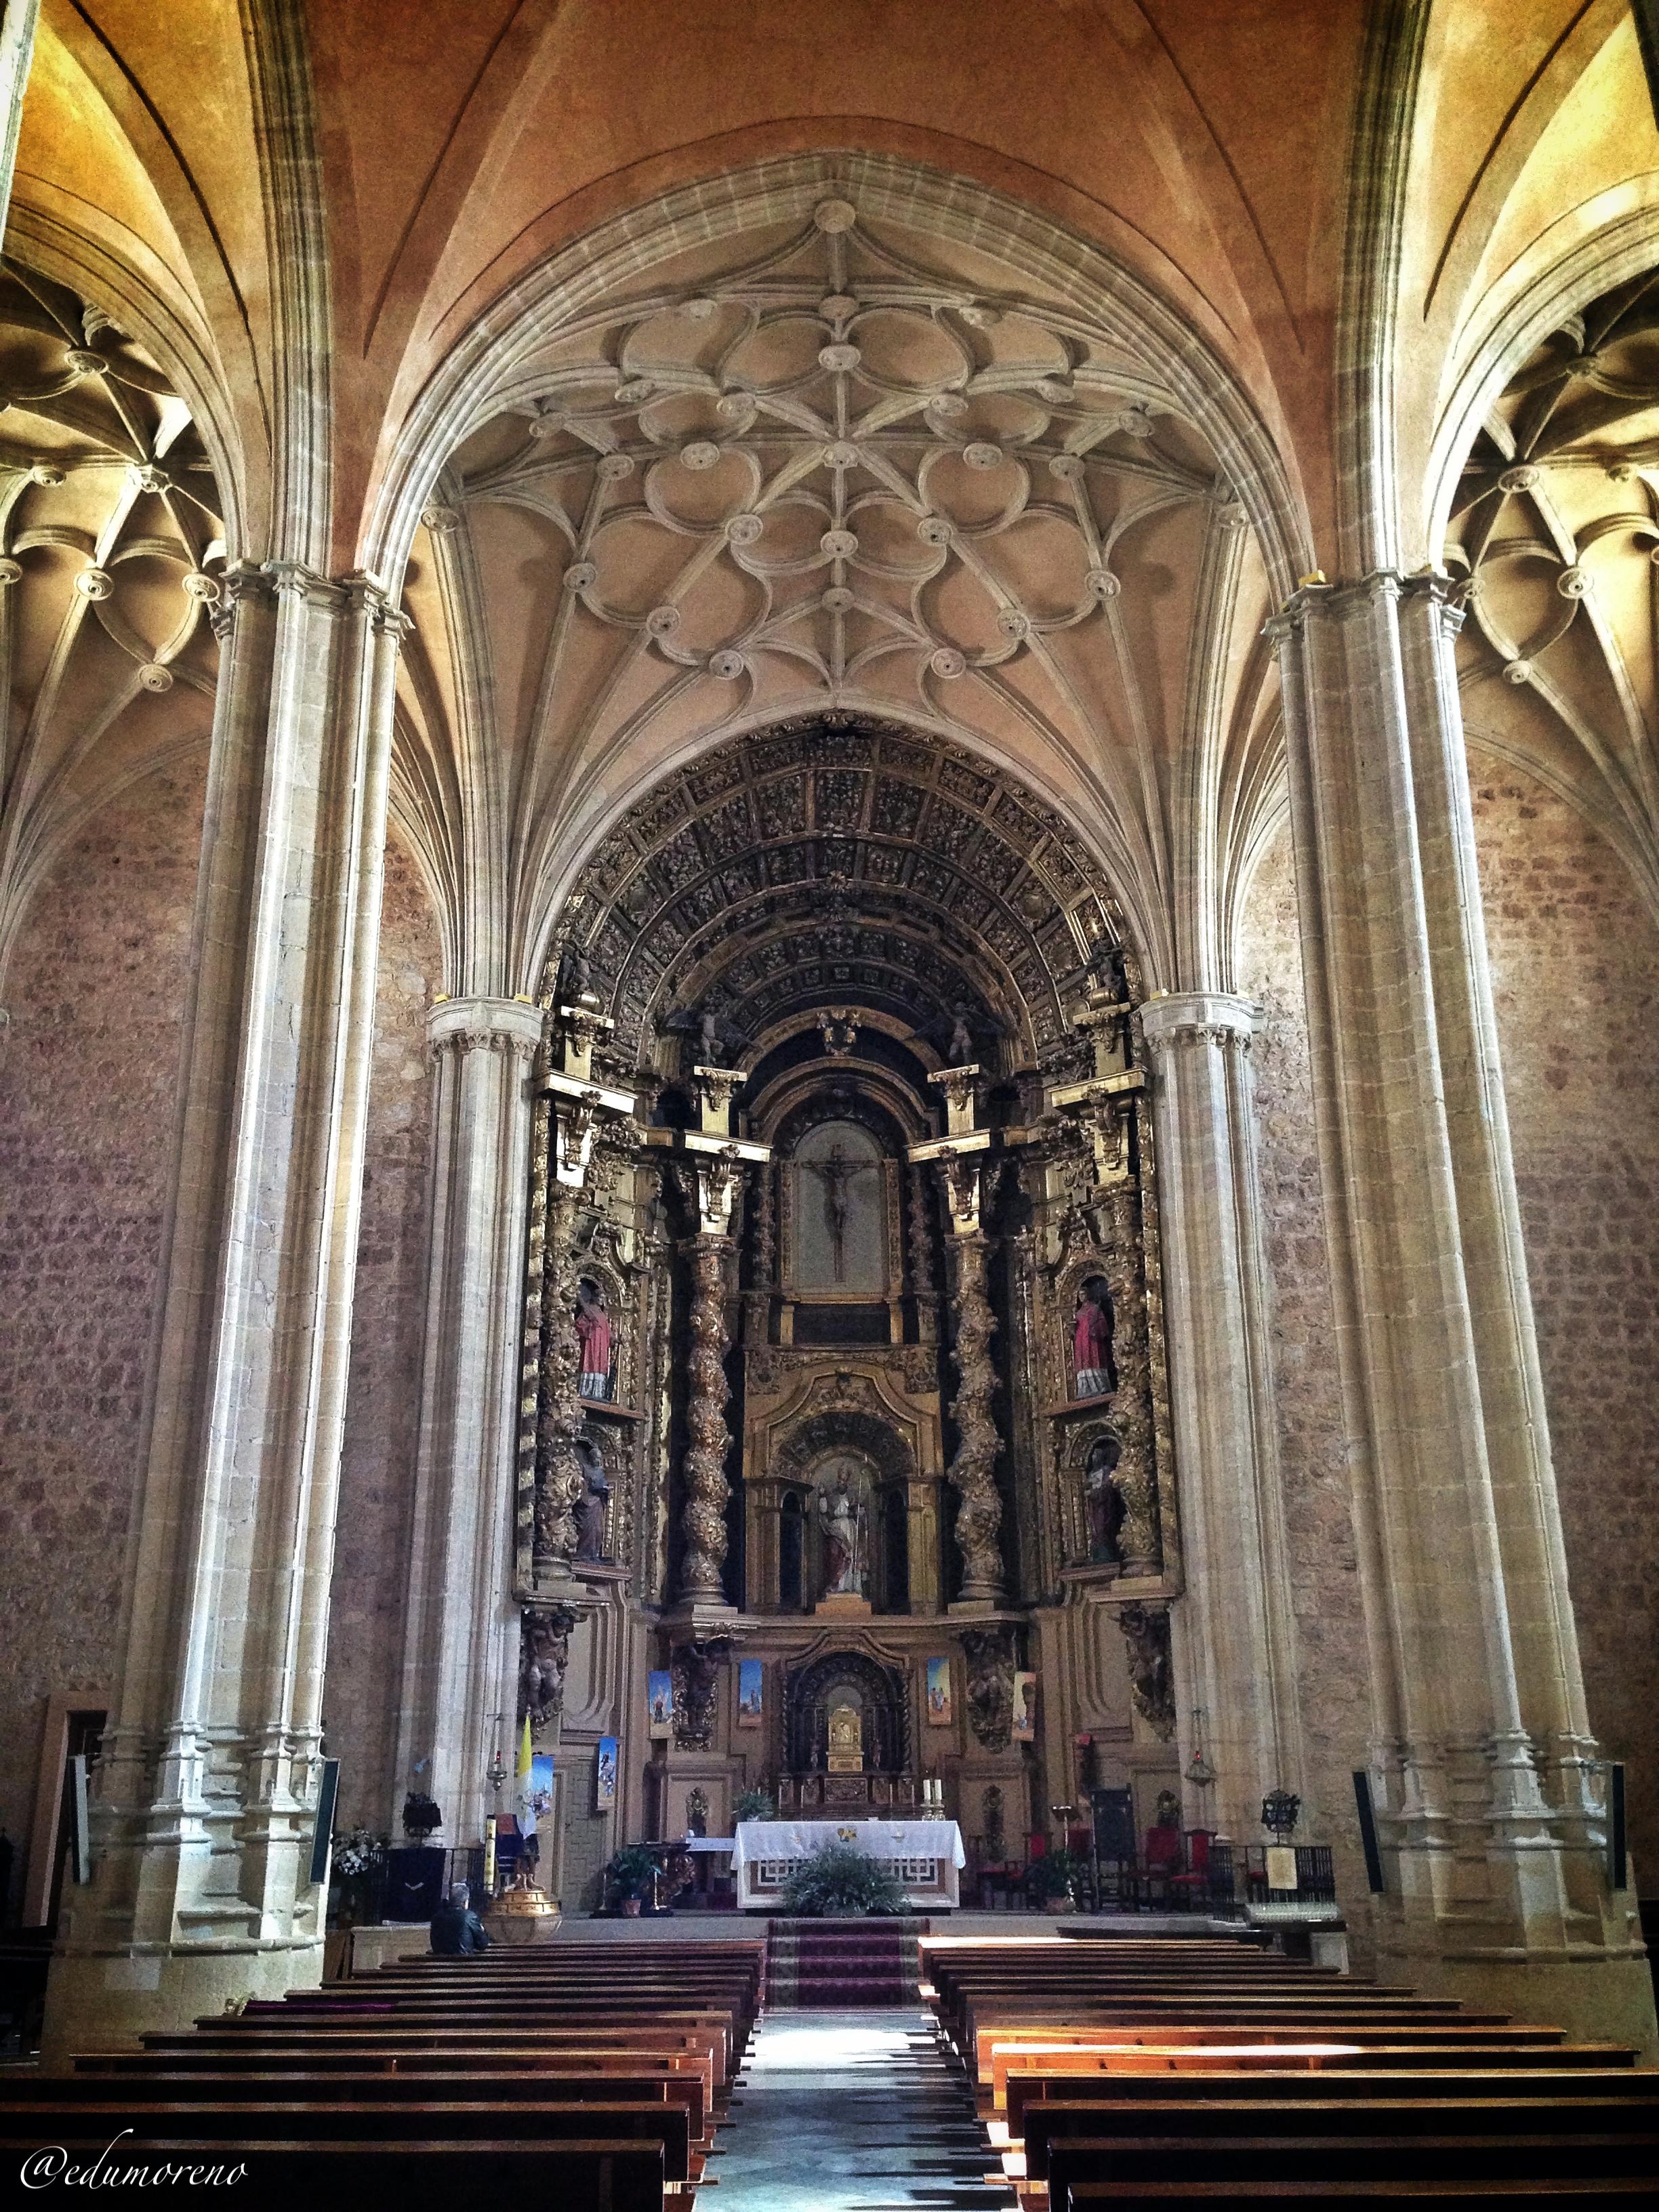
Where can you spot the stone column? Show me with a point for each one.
(706, 1487)
(208, 1786)
(461, 1634)
(1235, 1646)
(16, 52)
(1488, 1812)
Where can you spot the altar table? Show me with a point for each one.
(926, 1856)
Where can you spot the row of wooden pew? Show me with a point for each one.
(590, 2074)
(1130, 2073)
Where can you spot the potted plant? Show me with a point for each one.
(1052, 1880)
(753, 1805)
(631, 1872)
(838, 1882)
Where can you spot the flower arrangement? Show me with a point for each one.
(838, 1881)
(754, 1805)
(355, 1853)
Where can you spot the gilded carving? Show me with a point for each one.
(543, 1655)
(706, 1486)
(1152, 1681)
(972, 1471)
(989, 1656)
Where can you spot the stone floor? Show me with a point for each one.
(852, 2112)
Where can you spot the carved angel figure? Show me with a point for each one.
(953, 1034)
(575, 977)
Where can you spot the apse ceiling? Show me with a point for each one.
(108, 527)
(1559, 526)
(848, 470)
(844, 863)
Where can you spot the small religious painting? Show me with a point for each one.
(605, 1774)
(539, 1796)
(938, 1693)
(659, 1701)
(751, 1693)
(1024, 1708)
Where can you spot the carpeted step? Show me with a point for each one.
(839, 1963)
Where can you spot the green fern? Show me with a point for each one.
(838, 1882)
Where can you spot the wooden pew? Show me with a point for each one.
(708, 2032)
(1521, 2086)
(1204, 2125)
(1374, 2195)
(331, 2120)
(1168, 2056)
(598, 2174)
(1430, 2161)
(614, 2080)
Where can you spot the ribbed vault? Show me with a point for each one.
(1557, 526)
(109, 525)
(841, 861)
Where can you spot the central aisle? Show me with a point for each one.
(852, 2112)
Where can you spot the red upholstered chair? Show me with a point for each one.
(1188, 1887)
(1161, 1861)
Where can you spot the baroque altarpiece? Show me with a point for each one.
(843, 1387)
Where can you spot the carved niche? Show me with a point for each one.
(989, 1655)
(1152, 1681)
(696, 1670)
(543, 1655)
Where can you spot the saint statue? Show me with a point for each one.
(846, 1525)
(591, 1505)
(1091, 1341)
(593, 1334)
(1103, 1500)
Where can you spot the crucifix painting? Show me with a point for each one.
(838, 1239)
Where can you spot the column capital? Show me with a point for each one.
(1199, 1018)
(1345, 602)
(476, 1023)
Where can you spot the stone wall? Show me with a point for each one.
(89, 1084)
(88, 1074)
(1575, 975)
(1319, 1527)
(377, 1473)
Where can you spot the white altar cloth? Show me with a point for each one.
(877, 1839)
(926, 1856)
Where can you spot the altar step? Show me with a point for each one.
(842, 1963)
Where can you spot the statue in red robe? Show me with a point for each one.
(1091, 1341)
(593, 1334)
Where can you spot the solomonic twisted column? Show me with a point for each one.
(706, 1487)
(559, 1484)
(972, 1471)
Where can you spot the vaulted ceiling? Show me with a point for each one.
(841, 863)
(839, 461)
(890, 465)
(1557, 527)
(109, 531)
